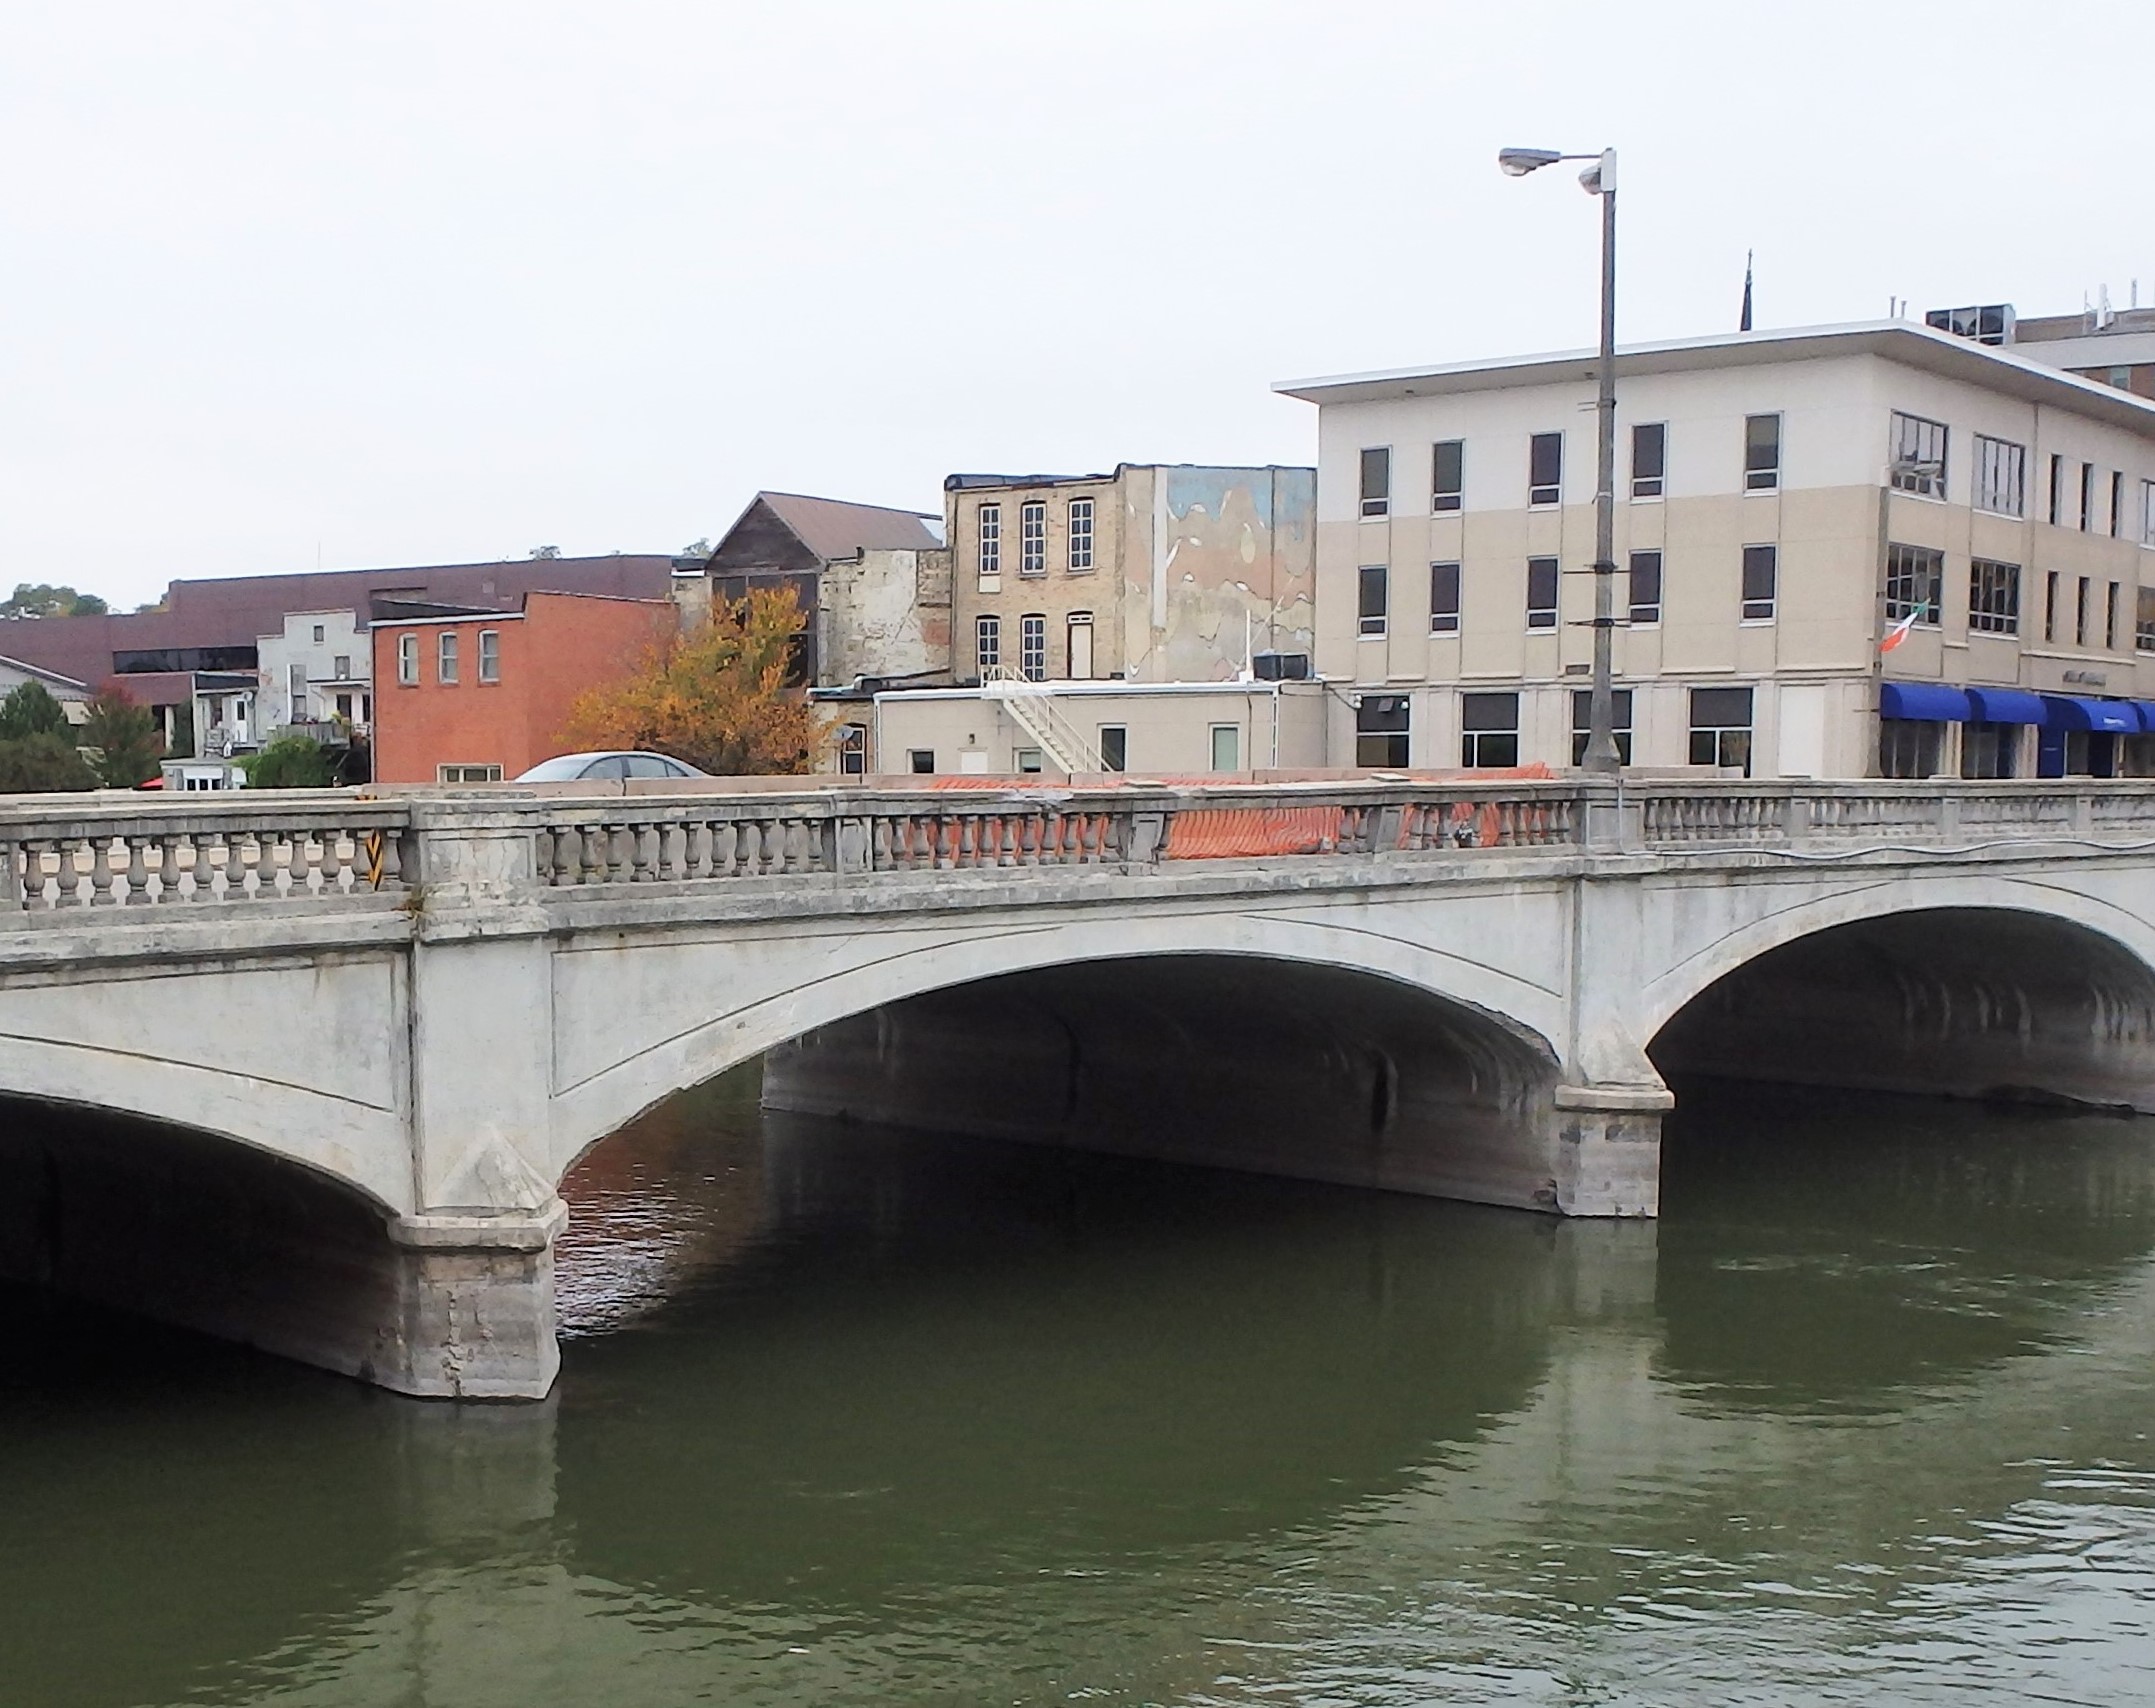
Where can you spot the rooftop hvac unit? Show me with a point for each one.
(1280, 666)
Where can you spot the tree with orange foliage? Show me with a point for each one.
(718, 698)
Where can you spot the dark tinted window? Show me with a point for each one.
(1450, 464)
(614, 768)
(1377, 481)
(1545, 469)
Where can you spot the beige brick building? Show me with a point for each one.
(1154, 573)
(1786, 501)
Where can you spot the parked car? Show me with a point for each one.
(607, 767)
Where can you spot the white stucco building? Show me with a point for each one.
(1786, 501)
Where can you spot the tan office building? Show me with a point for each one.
(1787, 503)
(1154, 573)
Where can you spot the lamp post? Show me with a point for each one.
(1599, 179)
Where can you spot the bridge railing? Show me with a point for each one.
(683, 838)
(125, 851)
(301, 847)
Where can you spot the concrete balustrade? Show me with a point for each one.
(427, 1005)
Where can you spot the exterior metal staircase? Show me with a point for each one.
(1032, 708)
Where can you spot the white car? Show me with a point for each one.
(607, 767)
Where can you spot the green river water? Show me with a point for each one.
(848, 1417)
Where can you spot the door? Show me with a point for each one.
(1803, 731)
(1081, 646)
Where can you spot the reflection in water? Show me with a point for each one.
(854, 1417)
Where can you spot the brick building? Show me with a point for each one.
(464, 696)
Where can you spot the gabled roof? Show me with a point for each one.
(833, 528)
(38, 673)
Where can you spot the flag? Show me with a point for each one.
(1899, 632)
(1745, 324)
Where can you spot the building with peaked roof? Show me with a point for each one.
(216, 625)
(1872, 549)
(874, 582)
(71, 694)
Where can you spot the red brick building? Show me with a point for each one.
(479, 696)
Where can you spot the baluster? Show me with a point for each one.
(26, 863)
(771, 840)
(969, 840)
(696, 849)
(138, 871)
(879, 855)
(725, 849)
(749, 842)
(590, 857)
(72, 890)
(542, 857)
(643, 845)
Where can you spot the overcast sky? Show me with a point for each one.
(426, 281)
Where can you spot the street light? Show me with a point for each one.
(1599, 179)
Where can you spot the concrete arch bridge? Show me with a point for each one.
(308, 1070)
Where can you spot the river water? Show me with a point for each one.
(849, 1417)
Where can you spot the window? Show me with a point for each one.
(344, 707)
(1033, 538)
(920, 761)
(991, 539)
(2080, 614)
(467, 773)
(343, 667)
(2110, 617)
(1380, 731)
(1488, 730)
(1909, 747)
(2000, 476)
(1077, 646)
(1760, 567)
(445, 656)
(1918, 456)
(319, 634)
(1033, 648)
(2057, 489)
(2087, 496)
(1649, 458)
(1114, 747)
(2117, 503)
(1026, 761)
(1377, 481)
(295, 688)
(1443, 598)
(1721, 728)
(987, 644)
(2144, 621)
(1226, 747)
(1582, 722)
(2050, 606)
(1545, 469)
(1080, 532)
(408, 660)
(1986, 750)
(1541, 580)
(1761, 453)
(2147, 512)
(1993, 597)
(853, 750)
(490, 655)
(1646, 587)
(1914, 575)
(1373, 596)
(1447, 484)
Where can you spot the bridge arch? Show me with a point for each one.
(809, 984)
(1960, 986)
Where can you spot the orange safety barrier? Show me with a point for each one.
(1240, 833)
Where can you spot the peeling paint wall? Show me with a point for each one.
(1228, 567)
(885, 613)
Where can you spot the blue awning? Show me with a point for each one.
(2006, 706)
(2115, 717)
(2146, 709)
(1930, 701)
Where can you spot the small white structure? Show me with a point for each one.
(318, 670)
(195, 776)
